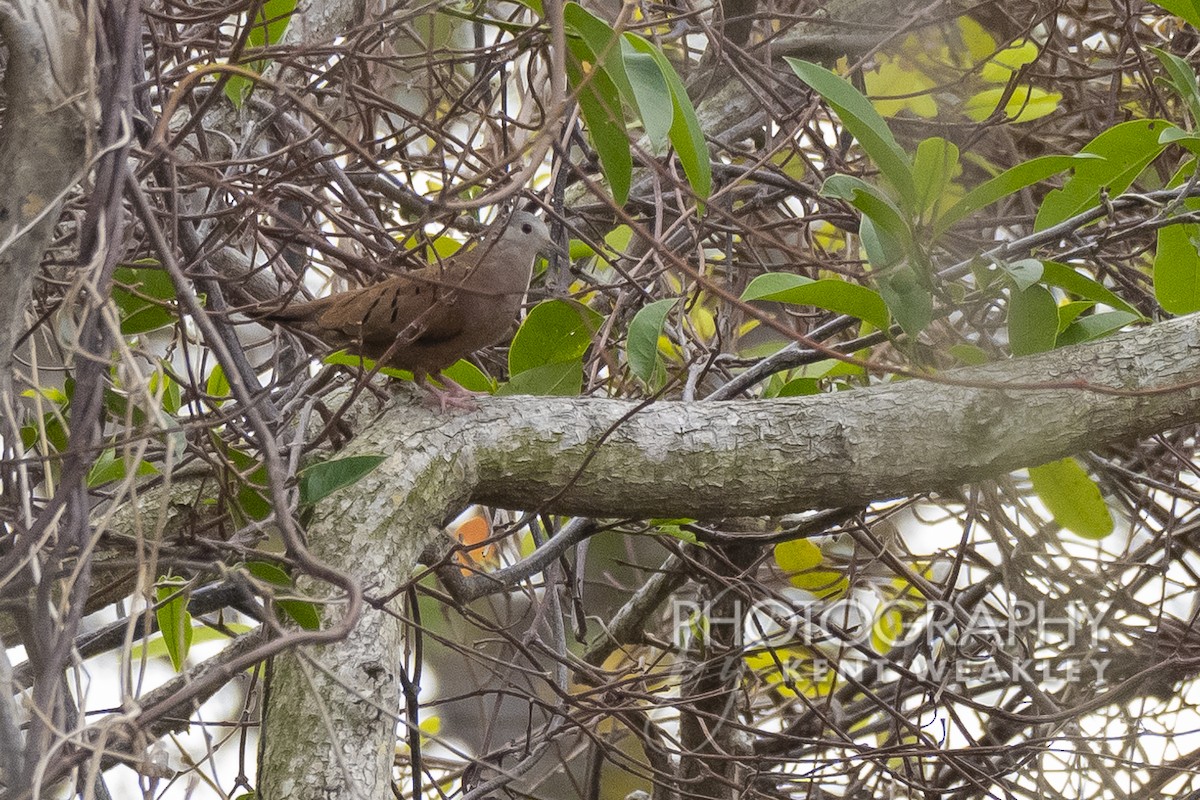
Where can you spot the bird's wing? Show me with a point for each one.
(418, 306)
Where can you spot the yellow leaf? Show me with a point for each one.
(888, 626)
(1014, 57)
(1025, 105)
(828, 236)
(789, 164)
(1000, 68)
(669, 350)
(890, 85)
(823, 583)
(703, 322)
(979, 42)
(995, 73)
(797, 555)
(801, 674)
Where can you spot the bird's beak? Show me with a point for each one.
(551, 248)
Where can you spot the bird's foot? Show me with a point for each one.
(453, 396)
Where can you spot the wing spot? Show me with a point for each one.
(370, 310)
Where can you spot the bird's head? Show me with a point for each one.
(530, 231)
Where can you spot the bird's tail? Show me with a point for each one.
(289, 315)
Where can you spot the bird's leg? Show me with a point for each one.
(453, 396)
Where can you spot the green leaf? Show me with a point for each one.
(1069, 312)
(267, 28)
(870, 201)
(110, 468)
(554, 331)
(245, 463)
(1006, 183)
(253, 503)
(145, 298)
(171, 398)
(934, 167)
(909, 301)
(600, 106)
(1032, 321)
(1189, 141)
(770, 284)
(1126, 149)
(173, 619)
(304, 613)
(154, 646)
(347, 359)
(579, 249)
(686, 134)
(618, 238)
(603, 45)
(1001, 67)
(883, 250)
(1182, 79)
(270, 22)
(238, 89)
(217, 386)
(864, 123)
(1065, 277)
(469, 376)
(1024, 273)
(679, 533)
(321, 480)
(671, 521)
(54, 395)
(1189, 10)
(798, 387)
(653, 96)
(1072, 498)
(56, 435)
(968, 354)
(687, 137)
(1176, 260)
(271, 573)
(641, 342)
(823, 583)
(835, 295)
(839, 368)
(558, 379)
(1096, 326)
(120, 407)
(1177, 268)
(886, 630)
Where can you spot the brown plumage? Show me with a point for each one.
(427, 319)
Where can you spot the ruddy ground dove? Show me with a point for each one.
(427, 319)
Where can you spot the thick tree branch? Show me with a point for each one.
(754, 457)
(678, 459)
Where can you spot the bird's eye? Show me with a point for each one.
(526, 228)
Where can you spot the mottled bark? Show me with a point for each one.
(43, 145)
